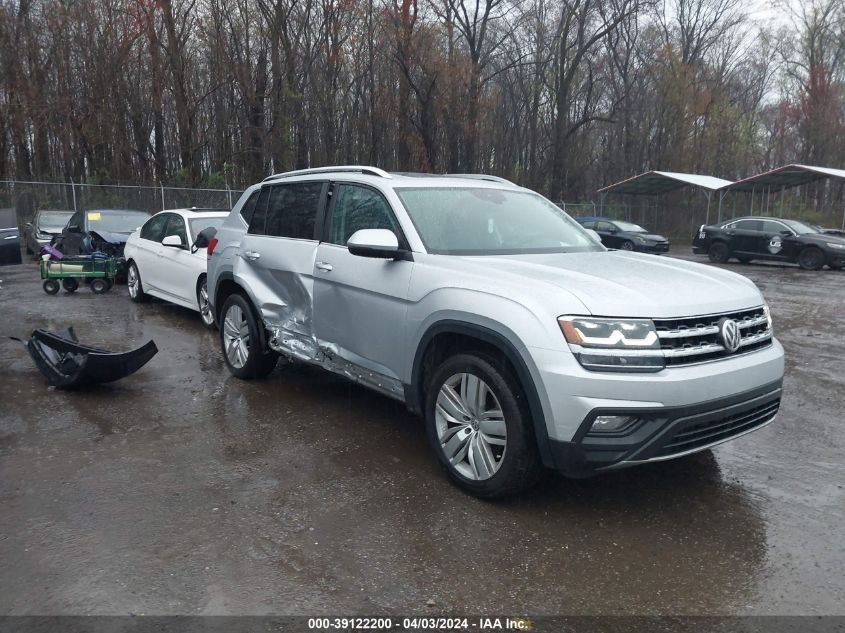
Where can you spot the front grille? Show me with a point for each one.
(705, 433)
(696, 339)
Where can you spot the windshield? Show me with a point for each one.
(476, 221)
(629, 227)
(800, 228)
(198, 224)
(115, 221)
(54, 218)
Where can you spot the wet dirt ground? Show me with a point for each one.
(181, 490)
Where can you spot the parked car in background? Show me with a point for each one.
(625, 236)
(770, 239)
(479, 304)
(44, 228)
(103, 230)
(10, 241)
(166, 258)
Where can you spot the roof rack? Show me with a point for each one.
(483, 177)
(204, 209)
(360, 169)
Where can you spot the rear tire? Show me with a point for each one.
(479, 426)
(133, 283)
(240, 340)
(70, 284)
(718, 252)
(203, 304)
(811, 258)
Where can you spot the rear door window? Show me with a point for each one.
(292, 210)
(249, 207)
(748, 225)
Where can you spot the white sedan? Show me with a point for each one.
(166, 258)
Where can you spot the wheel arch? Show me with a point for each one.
(225, 287)
(467, 336)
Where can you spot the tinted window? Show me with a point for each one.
(256, 222)
(293, 210)
(249, 207)
(357, 208)
(748, 225)
(154, 228)
(605, 226)
(176, 226)
(773, 227)
(589, 224)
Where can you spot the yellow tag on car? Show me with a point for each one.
(93, 216)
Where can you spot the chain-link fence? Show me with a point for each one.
(27, 197)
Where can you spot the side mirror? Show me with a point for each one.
(378, 243)
(203, 238)
(174, 241)
(596, 237)
(786, 232)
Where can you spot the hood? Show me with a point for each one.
(113, 238)
(822, 238)
(622, 283)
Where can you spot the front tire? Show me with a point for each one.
(133, 283)
(627, 245)
(240, 340)
(811, 258)
(718, 252)
(478, 425)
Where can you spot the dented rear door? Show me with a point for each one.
(276, 257)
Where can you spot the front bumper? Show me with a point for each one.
(662, 247)
(664, 401)
(667, 432)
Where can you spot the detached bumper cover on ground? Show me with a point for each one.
(67, 364)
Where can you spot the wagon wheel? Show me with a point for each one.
(99, 286)
(51, 286)
(70, 284)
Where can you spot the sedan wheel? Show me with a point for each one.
(471, 426)
(811, 258)
(204, 305)
(627, 245)
(133, 283)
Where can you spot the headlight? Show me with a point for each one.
(768, 314)
(602, 344)
(839, 247)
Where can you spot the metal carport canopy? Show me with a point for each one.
(785, 177)
(655, 183)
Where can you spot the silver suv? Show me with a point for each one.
(521, 340)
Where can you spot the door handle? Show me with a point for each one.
(250, 255)
(324, 266)
(14, 237)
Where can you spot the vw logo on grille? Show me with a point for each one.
(730, 335)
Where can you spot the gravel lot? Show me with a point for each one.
(183, 491)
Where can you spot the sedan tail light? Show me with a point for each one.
(210, 248)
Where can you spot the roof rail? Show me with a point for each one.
(361, 169)
(483, 177)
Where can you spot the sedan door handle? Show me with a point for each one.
(250, 255)
(324, 266)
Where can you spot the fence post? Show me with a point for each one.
(229, 194)
(73, 193)
(162, 195)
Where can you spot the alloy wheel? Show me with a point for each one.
(236, 336)
(471, 427)
(132, 281)
(205, 307)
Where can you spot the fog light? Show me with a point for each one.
(612, 423)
